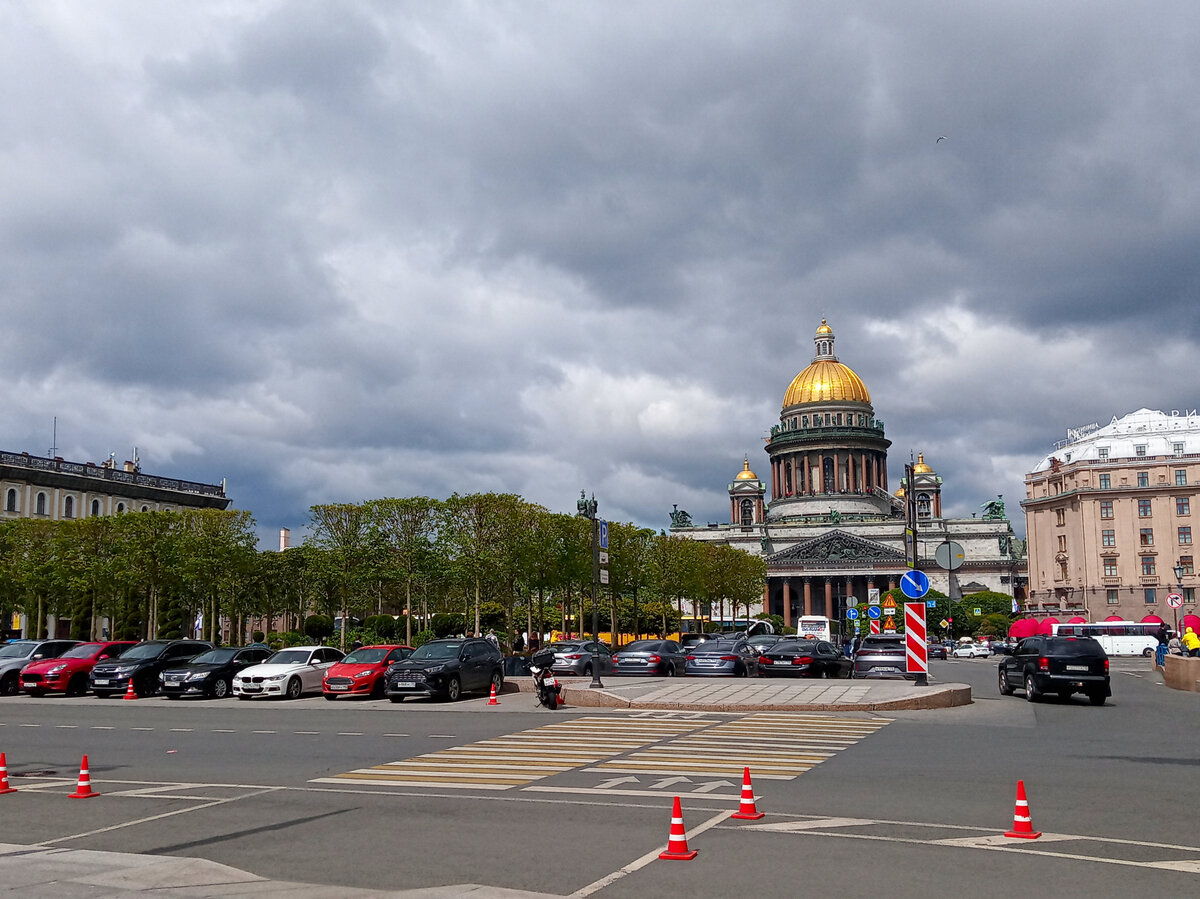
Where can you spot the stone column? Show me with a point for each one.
(807, 596)
(828, 598)
(787, 602)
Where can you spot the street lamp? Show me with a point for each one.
(1179, 581)
(587, 509)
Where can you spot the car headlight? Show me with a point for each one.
(197, 675)
(436, 669)
(363, 674)
(275, 677)
(162, 676)
(57, 668)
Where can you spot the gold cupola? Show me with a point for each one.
(746, 474)
(826, 379)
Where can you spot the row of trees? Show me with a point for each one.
(488, 560)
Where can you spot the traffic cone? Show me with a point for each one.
(747, 811)
(83, 789)
(677, 847)
(492, 700)
(1022, 822)
(4, 787)
(559, 699)
(130, 693)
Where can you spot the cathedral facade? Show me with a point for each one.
(834, 533)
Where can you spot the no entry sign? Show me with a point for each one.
(916, 655)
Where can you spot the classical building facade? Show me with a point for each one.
(1108, 516)
(833, 531)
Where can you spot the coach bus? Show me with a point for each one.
(1117, 638)
(815, 626)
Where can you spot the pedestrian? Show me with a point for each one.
(1174, 646)
(857, 645)
(1191, 642)
(1160, 651)
(492, 638)
(518, 643)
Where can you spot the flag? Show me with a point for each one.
(1015, 609)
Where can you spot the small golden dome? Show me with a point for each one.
(746, 474)
(824, 381)
(899, 494)
(921, 467)
(824, 330)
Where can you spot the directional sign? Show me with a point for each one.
(603, 533)
(852, 613)
(874, 612)
(931, 603)
(1174, 600)
(914, 584)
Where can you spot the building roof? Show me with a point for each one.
(826, 379)
(1157, 432)
(746, 474)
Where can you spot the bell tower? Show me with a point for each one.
(747, 493)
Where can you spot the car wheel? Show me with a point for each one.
(1096, 698)
(146, 689)
(1031, 691)
(453, 689)
(396, 698)
(587, 670)
(670, 671)
(220, 689)
(1005, 689)
(294, 688)
(77, 685)
(824, 674)
(1147, 652)
(9, 685)
(497, 680)
(377, 690)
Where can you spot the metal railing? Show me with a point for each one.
(119, 475)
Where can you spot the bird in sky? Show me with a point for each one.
(940, 139)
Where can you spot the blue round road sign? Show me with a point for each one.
(874, 611)
(852, 613)
(914, 584)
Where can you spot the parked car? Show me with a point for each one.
(363, 672)
(691, 639)
(16, 655)
(68, 674)
(729, 658)
(575, 657)
(804, 658)
(1059, 665)
(936, 651)
(289, 673)
(142, 664)
(881, 655)
(210, 673)
(446, 668)
(761, 642)
(663, 657)
(972, 651)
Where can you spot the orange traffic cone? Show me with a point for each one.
(558, 693)
(747, 811)
(4, 787)
(130, 693)
(1022, 822)
(492, 700)
(83, 789)
(677, 847)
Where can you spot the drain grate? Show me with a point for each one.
(48, 772)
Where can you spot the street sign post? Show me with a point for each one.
(914, 584)
(874, 612)
(916, 650)
(852, 613)
(1174, 600)
(949, 555)
(603, 533)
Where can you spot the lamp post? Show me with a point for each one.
(587, 509)
(1179, 581)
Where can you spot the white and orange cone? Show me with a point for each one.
(83, 789)
(677, 847)
(130, 692)
(1022, 822)
(747, 810)
(492, 700)
(4, 787)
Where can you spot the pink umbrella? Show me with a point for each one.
(1047, 626)
(1022, 628)
(1192, 621)
(1152, 619)
(1077, 620)
(1114, 618)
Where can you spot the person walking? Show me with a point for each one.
(1160, 651)
(1191, 643)
(492, 638)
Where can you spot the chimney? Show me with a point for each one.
(129, 466)
(285, 539)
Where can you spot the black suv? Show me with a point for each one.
(1059, 665)
(446, 668)
(142, 664)
(210, 673)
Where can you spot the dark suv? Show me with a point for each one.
(446, 668)
(1059, 665)
(142, 664)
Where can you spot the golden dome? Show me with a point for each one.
(921, 467)
(824, 381)
(746, 474)
(824, 330)
(899, 494)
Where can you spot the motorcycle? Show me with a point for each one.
(545, 684)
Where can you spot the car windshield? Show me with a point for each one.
(368, 656)
(1067, 646)
(82, 651)
(436, 651)
(16, 650)
(882, 646)
(290, 657)
(142, 651)
(643, 646)
(715, 646)
(214, 657)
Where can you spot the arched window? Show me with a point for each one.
(145, 508)
(923, 505)
(10, 504)
(747, 512)
(40, 505)
(95, 507)
(120, 508)
(69, 507)
(787, 478)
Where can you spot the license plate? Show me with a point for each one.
(336, 687)
(102, 681)
(406, 685)
(251, 689)
(880, 668)
(1083, 668)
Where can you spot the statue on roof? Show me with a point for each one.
(994, 508)
(680, 518)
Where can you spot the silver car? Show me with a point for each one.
(722, 658)
(575, 657)
(15, 656)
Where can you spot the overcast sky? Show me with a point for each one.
(338, 251)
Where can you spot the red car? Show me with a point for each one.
(69, 672)
(361, 672)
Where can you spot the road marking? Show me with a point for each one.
(141, 728)
(444, 736)
(307, 733)
(28, 725)
(395, 735)
(102, 727)
(66, 725)
(181, 730)
(263, 731)
(218, 731)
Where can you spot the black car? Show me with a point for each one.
(210, 673)
(803, 658)
(1058, 665)
(446, 668)
(650, 657)
(142, 664)
(936, 651)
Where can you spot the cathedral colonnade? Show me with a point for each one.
(811, 473)
(792, 596)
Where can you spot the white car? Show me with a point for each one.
(972, 651)
(289, 673)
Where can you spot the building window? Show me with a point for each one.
(1108, 537)
(923, 505)
(145, 508)
(120, 508)
(1062, 543)
(1144, 508)
(1062, 571)
(40, 507)
(1183, 505)
(1060, 517)
(1140, 450)
(69, 507)
(1180, 477)
(10, 504)
(1103, 452)
(1189, 594)
(1146, 537)
(1105, 482)
(1110, 567)
(1151, 596)
(1178, 448)
(1185, 562)
(1185, 535)
(1143, 479)
(1114, 597)
(1106, 508)
(1148, 566)
(747, 513)
(95, 507)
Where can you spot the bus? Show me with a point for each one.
(815, 626)
(1117, 638)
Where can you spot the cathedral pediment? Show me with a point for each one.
(837, 546)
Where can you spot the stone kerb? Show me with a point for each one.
(1182, 673)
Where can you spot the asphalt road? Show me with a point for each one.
(578, 802)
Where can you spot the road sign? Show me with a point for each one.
(978, 612)
(889, 603)
(914, 584)
(603, 558)
(916, 660)
(852, 613)
(604, 575)
(890, 624)
(872, 596)
(1174, 600)
(603, 533)
(944, 623)
(931, 603)
(949, 555)
(875, 625)
(874, 612)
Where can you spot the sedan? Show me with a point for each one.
(210, 673)
(68, 674)
(972, 651)
(729, 658)
(936, 651)
(575, 657)
(289, 673)
(362, 672)
(881, 655)
(663, 657)
(804, 658)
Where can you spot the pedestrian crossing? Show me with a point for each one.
(778, 746)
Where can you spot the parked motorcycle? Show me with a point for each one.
(545, 684)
